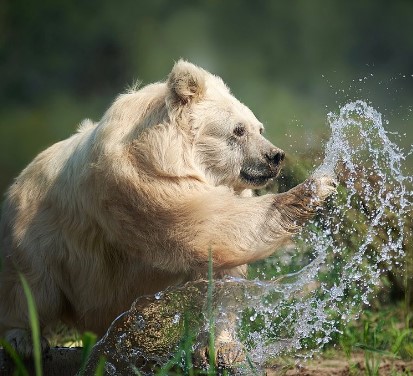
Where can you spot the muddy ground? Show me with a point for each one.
(65, 362)
(340, 366)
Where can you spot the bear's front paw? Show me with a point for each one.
(21, 341)
(228, 355)
(325, 186)
(318, 188)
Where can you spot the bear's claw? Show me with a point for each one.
(325, 186)
(21, 341)
(227, 356)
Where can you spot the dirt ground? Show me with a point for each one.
(343, 367)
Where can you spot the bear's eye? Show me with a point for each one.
(261, 130)
(239, 130)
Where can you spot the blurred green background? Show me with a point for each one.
(291, 62)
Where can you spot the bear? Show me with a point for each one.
(140, 201)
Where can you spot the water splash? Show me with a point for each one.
(357, 237)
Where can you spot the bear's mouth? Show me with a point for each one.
(256, 179)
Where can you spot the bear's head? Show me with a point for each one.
(226, 137)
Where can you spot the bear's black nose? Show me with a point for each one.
(275, 156)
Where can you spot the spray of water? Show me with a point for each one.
(359, 236)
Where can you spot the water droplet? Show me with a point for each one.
(158, 295)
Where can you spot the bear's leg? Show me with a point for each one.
(14, 317)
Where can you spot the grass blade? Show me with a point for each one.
(252, 367)
(20, 368)
(100, 368)
(399, 340)
(35, 327)
(374, 350)
(211, 342)
(136, 370)
(88, 340)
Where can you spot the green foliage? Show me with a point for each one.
(378, 334)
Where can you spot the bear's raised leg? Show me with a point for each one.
(239, 230)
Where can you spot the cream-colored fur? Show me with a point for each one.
(133, 204)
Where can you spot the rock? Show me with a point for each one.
(148, 334)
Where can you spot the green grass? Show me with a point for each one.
(381, 332)
(378, 334)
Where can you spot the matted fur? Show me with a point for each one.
(133, 204)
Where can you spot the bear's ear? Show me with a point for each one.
(186, 82)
